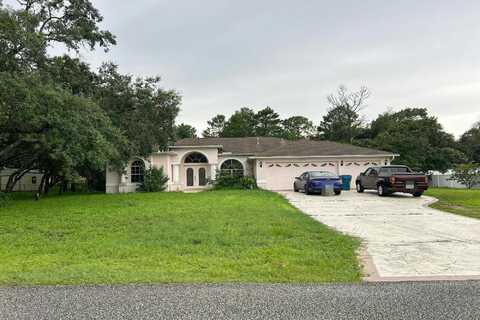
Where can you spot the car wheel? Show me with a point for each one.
(307, 191)
(360, 188)
(381, 190)
(337, 192)
(417, 194)
(295, 188)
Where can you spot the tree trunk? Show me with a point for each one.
(14, 178)
(44, 185)
(40, 186)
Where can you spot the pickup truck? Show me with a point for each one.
(389, 179)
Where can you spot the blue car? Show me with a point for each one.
(316, 181)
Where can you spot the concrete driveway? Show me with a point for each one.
(403, 237)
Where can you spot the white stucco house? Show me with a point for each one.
(273, 162)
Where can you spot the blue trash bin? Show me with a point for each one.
(346, 180)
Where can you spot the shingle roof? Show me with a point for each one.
(320, 148)
(275, 147)
(247, 145)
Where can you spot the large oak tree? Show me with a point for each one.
(57, 115)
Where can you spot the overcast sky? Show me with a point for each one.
(222, 55)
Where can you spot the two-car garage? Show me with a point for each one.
(279, 174)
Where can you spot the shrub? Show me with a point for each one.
(227, 181)
(4, 199)
(248, 183)
(154, 180)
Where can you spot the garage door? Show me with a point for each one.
(281, 175)
(355, 167)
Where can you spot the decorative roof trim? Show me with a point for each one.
(329, 156)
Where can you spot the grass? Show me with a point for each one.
(209, 237)
(459, 201)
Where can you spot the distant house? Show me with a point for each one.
(273, 162)
(29, 182)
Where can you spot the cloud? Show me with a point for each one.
(222, 55)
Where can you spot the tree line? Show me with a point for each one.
(417, 136)
(62, 118)
(66, 120)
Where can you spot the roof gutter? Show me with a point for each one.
(393, 155)
(197, 147)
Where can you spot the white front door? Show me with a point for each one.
(196, 176)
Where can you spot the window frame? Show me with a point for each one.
(139, 167)
(231, 171)
(195, 157)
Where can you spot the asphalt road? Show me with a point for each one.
(412, 300)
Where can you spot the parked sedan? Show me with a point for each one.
(317, 181)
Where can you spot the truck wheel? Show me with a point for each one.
(381, 190)
(417, 194)
(360, 188)
(337, 192)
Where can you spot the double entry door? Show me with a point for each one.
(196, 176)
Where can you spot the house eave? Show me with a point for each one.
(390, 155)
(170, 153)
(197, 147)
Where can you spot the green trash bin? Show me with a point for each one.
(346, 180)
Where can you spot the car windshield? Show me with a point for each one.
(322, 174)
(393, 170)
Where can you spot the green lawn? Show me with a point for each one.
(459, 201)
(218, 236)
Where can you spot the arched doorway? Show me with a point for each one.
(196, 167)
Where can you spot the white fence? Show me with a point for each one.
(439, 180)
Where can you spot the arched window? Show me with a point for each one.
(137, 171)
(196, 157)
(232, 167)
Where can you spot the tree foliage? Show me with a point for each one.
(342, 121)
(46, 128)
(183, 131)
(139, 107)
(470, 143)
(417, 137)
(267, 123)
(215, 127)
(467, 174)
(297, 127)
(56, 114)
(263, 123)
(72, 23)
(241, 124)
(27, 31)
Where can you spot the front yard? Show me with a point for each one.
(460, 201)
(221, 236)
